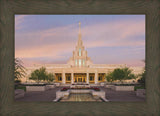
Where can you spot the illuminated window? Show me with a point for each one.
(76, 62)
(79, 62)
(68, 78)
(83, 62)
(79, 51)
(91, 78)
(100, 78)
(59, 78)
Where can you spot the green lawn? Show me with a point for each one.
(21, 87)
(139, 87)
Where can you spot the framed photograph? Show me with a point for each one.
(105, 62)
(80, 58)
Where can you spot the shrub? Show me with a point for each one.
(142, 79)
(64, 89)
(120, 74)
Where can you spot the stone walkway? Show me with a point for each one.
(48, 95)
(111, 95)
(122, 95)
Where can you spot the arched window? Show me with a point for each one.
(83, 62)
(76, 62)
(91, 78)
(79, 51)
(79, 62)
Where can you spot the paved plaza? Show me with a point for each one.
(111, 95)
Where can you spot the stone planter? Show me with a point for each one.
(110, 86)
(19, 93)
(35, 88)
(141, 93)
(102, 84)
(57, 84)
(123, 88)
(94, 85)
(60, 94)
(50, 87)
(87, 85)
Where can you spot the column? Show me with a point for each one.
(63, 77)
(87, 78)
(96, 77)
(72, 80)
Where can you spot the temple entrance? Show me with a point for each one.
(80, 77)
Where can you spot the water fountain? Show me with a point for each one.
(80, 94)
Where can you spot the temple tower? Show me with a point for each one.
(80, 57)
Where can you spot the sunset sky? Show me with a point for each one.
(109, 39)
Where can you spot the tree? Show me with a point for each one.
(128, 74)
(109, 77)
(50, 77)
(19, 69)
(123, 74)
(41, 74)
(120, 74)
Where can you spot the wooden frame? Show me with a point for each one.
(8, 8)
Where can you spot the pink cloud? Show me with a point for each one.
(60, 40)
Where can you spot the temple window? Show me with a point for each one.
(79, 51)
(91, 78)
(68, 78)
(100, 78)
(83, 62)
(79, 62)
(59, 78)
(76, 62)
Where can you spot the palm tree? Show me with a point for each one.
(128, 74)
(19, 69)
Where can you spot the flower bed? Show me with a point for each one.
(64, 89)
(96, 89)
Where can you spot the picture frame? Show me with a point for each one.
(149, 8)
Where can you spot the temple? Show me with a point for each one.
(80, 68)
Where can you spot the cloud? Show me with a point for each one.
(57, 41)
(121, 33)
(53, 51)
(19, 19)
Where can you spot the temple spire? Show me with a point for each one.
(79, 27)
(79, 35)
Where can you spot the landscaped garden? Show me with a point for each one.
(44, 81)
